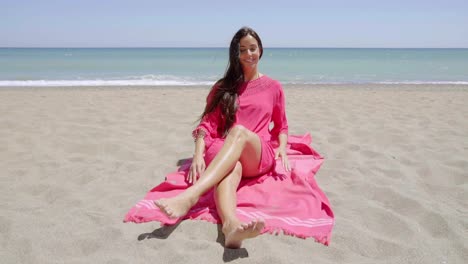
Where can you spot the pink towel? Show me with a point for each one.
(290, 202)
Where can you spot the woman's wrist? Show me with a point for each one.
(198, 152)
(283, 140)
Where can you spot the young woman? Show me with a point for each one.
(234, 138)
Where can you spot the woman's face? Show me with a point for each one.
(249, 52)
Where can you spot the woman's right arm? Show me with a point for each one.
(203, 135)
(200, 145)
(198, 162)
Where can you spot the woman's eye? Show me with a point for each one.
(245, 50)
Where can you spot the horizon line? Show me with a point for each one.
(217, 47)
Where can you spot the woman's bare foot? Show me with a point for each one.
(177, 206)
(236, 232)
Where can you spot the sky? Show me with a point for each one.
(203, 23)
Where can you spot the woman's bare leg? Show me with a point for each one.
(226, 202)
(240, 145)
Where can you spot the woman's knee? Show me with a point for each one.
(238, 133)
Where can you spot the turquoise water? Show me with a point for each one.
(195, 66)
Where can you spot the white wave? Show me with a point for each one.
(378, 82)
(150, 80)
(425, 82)
(140, 82)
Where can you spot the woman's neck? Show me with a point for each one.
(252, 75)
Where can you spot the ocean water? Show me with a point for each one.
(203, 66)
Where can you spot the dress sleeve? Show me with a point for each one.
(208, 126)
(280, 122)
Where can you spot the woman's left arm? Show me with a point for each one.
(281, 128)
(281, 151)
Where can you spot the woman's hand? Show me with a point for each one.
(196, 169)
(281, 152)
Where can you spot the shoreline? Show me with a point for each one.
(286, 86)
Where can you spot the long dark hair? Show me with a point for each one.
(227, 88)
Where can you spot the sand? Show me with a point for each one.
(74, 160)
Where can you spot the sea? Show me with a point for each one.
(203, 66)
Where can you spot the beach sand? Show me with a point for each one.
(74, 160)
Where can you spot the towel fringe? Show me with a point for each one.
(274, 230)
(206, 219)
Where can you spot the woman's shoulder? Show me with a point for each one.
(271, 83)
(266, 79)
(274, 87)
(218, 83)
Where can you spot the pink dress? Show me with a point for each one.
(288, 201)
(260, 102)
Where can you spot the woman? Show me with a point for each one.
(234, 138)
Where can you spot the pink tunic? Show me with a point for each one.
(260, 102)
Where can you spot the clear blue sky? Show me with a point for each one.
(203, 23)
